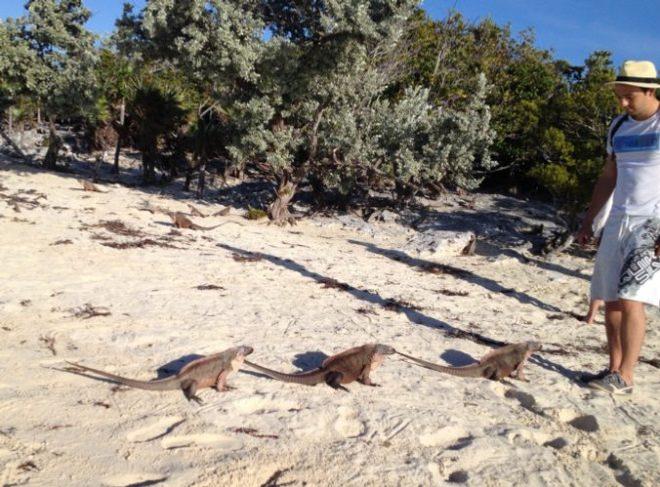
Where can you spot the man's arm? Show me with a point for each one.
(602, 192)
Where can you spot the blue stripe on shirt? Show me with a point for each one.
(636, 143)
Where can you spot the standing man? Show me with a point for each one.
(627, 269)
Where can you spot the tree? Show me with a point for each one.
(155, 117)
(61, 76)
(15, 58)
(216, 43)
(321, 108)
(118, 81)
(571, 149)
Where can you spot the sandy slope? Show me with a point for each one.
(419, 428)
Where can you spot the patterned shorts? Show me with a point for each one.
(626, 265)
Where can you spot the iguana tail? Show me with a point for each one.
(310, 378)
(473, 370)
(167, 384)
(199, 227)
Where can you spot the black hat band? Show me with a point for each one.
(634, 79)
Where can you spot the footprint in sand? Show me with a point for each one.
(446, 436)
(522, 435)
(347, 424)
(261, 404)
(218, 442)
(154, 431)
(132, 479)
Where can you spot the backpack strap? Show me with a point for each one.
(615, 128)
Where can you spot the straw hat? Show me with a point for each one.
(637, 73)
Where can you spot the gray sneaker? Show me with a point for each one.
(586, 377)
(612, 383)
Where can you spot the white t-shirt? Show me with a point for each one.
(636, 146)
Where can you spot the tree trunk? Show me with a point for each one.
(38, 117)
(278, 211)
(148, 168)
(54, 146)
(122, 115)
(201, 178)
(189, 175)
(97, 165)
(405, 193)
(10, 121)
(13, 145)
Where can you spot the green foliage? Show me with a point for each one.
(345, 95)
(15, 59)
(550, 118)
(573, 133)
(255, 213)
(62, 76)
(156, 113)
(321, 108)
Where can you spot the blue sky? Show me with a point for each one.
(572, 28)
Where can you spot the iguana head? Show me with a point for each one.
(384, 349)
(244, 350)
(533, 346)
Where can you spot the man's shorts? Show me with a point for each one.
(626, 265)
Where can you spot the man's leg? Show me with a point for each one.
(633, 324)
(613, 324)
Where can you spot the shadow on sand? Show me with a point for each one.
(413, 315)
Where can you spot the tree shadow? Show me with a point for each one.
(469, 276)
(547, 364)
(503, 231)
(240, 196)
(489, 250)
(413, 315)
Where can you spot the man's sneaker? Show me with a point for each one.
(586, 377)
(612, 383)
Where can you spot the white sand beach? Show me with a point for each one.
(72, 287)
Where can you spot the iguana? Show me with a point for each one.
(210, 371)
(223, 212)
(182, 221)
(89, 186)
(195, 212)
(343, 368)
(502, 362)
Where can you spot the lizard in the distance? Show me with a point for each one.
(182, 221)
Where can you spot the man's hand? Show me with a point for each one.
(585, 234)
